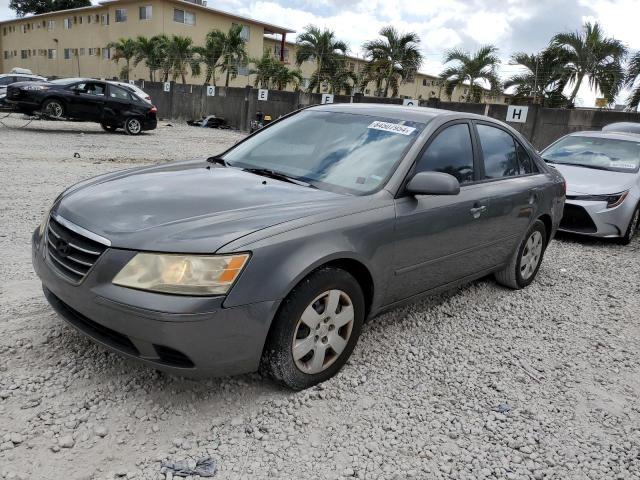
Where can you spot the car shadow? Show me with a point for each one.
(585, 239)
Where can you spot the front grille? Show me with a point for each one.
(71, 254)
(576, 219)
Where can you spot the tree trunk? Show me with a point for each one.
(576, 88)
(226, 82)
(319, 65)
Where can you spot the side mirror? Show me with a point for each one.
(433, 183)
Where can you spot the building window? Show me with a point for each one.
(245, 33)
(106, 53)
(82, 51)
(51, 24)
(93, 51)
(67, 23)
(67, 53)
(276, 50)
(88, 18)
(424, 82)
(80, 19)
(6, 55)
(121, 15)
(145, 12)
(24, 54)
(52, 54)
(105, 19)
(182, 16)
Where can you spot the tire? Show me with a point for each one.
(53, 108)
(632, 229)
(313, 333)
(133, 126)
(108, 128)
(526, 260)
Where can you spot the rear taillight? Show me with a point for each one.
(153, 109)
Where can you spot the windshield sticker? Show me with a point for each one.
(630, 166)
(392, 127)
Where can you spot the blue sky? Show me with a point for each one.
(511, 25)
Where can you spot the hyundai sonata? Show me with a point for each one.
(272, 254)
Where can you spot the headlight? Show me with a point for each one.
(34, 87)
(182, 274)
(612, 200)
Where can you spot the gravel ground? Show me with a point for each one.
(483, 382)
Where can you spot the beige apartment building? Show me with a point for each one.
(73, 43)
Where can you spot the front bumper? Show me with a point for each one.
(189, 336)
(593, 218)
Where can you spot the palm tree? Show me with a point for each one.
(234, 52)
(396, 56)
(210, 54)
(265, 69)
(342, 79)
(322, 47)
(125, 48)
(146, 50)
(181, 53)
(591, 54)
(283, 76)
(160, 55)
(544, 77)
(633, 79)
(472, 71)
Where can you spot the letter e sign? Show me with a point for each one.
(517, 114)
(263, 94)
(327, 98)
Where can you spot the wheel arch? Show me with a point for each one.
(548, 226)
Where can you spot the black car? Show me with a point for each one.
(112, 106)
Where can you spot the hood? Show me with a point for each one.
(589, 181)
(187, 207)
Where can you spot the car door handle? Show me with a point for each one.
(477, 211)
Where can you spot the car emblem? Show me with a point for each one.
(62, 248)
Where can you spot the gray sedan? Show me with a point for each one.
(272, 255)
(603, 183)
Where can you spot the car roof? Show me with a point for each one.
(628, 136)
(20, 75)
(400, 112)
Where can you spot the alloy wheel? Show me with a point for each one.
(54, 109)
(635, 223)
(134, 126)
(531, 255)
(323, 331)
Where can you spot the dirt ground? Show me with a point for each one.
(483, 382)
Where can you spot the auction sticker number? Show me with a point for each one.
(392, 127)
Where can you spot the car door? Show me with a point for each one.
(512, 184)
(85, 100)
(441, 239)
(118, 105)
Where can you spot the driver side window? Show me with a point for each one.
(451, 152)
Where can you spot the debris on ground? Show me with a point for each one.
(210, 121)
(204, 466)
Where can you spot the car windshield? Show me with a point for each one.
(340, 152)
(596, 152)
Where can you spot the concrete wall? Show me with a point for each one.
(238, 106)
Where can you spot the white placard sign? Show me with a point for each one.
(326, 98)
(410, 102)
(132, 82)
(263, 94)
(167, 86)
(392, 127)
(211, 91)
(517, 114)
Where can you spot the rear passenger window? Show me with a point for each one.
(499, 152)
(524, 160)
(119, 93)
(451, 152)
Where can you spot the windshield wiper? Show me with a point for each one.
(595, 167)
(266, 172)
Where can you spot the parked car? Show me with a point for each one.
(603, 183)
(625, 127)
(86, 99)
(8, 78)
(274, 253)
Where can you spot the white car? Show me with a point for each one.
(138, 91)
(8, 78)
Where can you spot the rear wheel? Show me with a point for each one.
(632, 229)
(525, 261)
(108, 128)
(315, 330)
(133, 126)
(53, 108)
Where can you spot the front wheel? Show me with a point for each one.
(525, 261)
(632, 229)
(315, 330)
(133, 126)
(53, 109)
